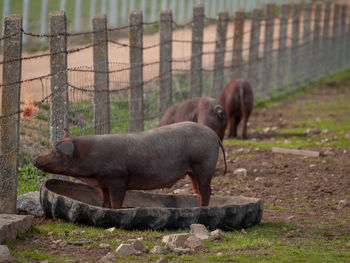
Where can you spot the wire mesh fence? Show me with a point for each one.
(125, 85)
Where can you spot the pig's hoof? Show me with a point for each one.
(80, 203)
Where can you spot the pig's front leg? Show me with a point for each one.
(105, 197)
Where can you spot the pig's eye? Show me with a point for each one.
(56, 153)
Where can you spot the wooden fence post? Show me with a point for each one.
(294, 54)
(165, 74)
(11, 73)
(253, 68)
(101, 77)
(307, 58)
(197, 48)
(219, 60)
(136, 72)
(325, 52)
(347, 40)
(58, 66)
(335, 37)
(343, 50)
(268, 47)
(282, 47)
(316, 45)
(237, 55)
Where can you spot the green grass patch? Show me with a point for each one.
(266, 242)
(29, 179)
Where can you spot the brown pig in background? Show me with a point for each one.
(146, 160)
(207, 111)
(238, 99)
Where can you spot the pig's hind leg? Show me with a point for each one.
(117, 193)
(201, 183)
(105, 197)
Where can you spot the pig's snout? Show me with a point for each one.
(37, 162)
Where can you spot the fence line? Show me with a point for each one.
(182, 10)
(119, 97)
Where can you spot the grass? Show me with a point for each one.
(267, 242)
(336, 129)
(29, 179)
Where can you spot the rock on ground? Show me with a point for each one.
(240, 172)
(127, 249)
(200, 231)
(138, 245)
(11, 225)
(157, 250)
(177, 239)
(30, 203)
(193, 242)
(216, 234)
(5, 255)
(109, 258)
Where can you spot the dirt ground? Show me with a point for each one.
(306, 191)
(297, 188)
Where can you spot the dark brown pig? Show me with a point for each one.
(238, 99)
(151, 159)
(207, 111)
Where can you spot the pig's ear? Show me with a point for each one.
(220, 112)
(66, 133)
(66, 147)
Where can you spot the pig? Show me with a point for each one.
(151, 159)
(207, 111)
(238, 99)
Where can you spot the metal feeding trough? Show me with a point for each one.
(80, 203)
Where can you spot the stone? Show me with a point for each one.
(193, 242)
(109, 258)
(328, 152)
(11, 225)
(127, 249)
(216, 234)
(240, 172)
(177, 239)
(162, 259)
(157, 250)
(5, 255)
(243, 151)
(104, 245)
(342, 204)
(180, 191)
(111, 229)
(30, 203)
(56, 241)
(169, 246)
(63, 243)
(200, 231)
(219, 254)
(138, 245)
(76, 232)
(243, 231)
